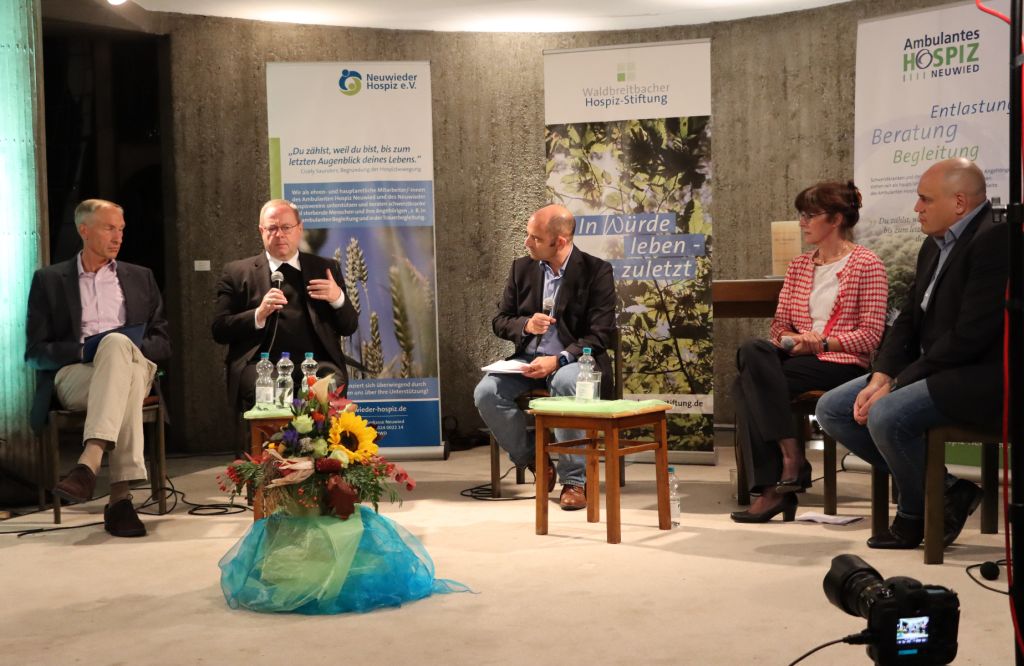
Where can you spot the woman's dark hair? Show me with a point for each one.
(833, 198)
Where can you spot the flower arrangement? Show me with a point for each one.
(323, 462)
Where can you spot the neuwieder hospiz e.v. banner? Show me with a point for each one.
(351, 146)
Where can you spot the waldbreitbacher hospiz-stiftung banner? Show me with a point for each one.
(628, 139)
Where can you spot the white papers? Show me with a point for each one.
(505, 367)
(814, 517)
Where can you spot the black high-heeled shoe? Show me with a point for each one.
(798, 485)
(786, 506)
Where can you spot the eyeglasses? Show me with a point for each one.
(807, 217)
(283, 229)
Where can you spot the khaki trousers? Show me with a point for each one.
(111, 390)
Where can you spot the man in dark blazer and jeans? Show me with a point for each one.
(940, 361)
(90, 294)
(311, 309)
(557, 301)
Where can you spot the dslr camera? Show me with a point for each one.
(908, 623)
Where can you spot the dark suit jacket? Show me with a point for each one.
(961, 331)
(584, 310)
(55, 323)
(241, 289)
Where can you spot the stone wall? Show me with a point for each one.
(782, 108)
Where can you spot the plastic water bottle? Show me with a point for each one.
(586, 381)
(264, 382)
(674, 500)
(308, 368)
(285, 383)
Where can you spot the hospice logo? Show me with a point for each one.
(626, 72)
(941, 55)
(351, 82)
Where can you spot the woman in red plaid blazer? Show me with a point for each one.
(829, 320)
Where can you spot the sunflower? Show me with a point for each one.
(353, 434)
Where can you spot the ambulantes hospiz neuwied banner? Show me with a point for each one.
(931, 85)
(351, 145)
(628, 137)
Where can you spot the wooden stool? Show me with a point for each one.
(523, 401)
(935, 488)
(65, 419)
(496, 465)
(260, 430)
(802, 407)
(611, 424)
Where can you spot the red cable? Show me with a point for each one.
(1006, 411)
(1006, 471)
(993, 12)
(1005, 18)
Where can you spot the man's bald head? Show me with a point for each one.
(961, 176)
(557, 220)
(948, 191)
(549, 234)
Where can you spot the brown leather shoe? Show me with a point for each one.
(121, 520)
(77, 486)
(573, 498)
(552, 474)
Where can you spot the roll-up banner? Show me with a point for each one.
(628, 139)
(931, 85)
(351, 145)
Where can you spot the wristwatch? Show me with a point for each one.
(824, 345)
(563, 360)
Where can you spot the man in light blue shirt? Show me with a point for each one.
(939, 363)
(557, 301)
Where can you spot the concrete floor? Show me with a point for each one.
(707, 592)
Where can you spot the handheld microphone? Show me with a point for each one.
(787, 343)
(276, 279)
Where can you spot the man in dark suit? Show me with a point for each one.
(940, 361)
(557, 301)
(90, 294)
(309, 312)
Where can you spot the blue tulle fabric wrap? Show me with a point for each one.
(322, 565)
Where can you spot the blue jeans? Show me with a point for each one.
(894, 439)
(495, 398)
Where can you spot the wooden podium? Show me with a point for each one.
(745, 298)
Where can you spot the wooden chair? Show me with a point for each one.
(935, 487)
(523, 402)
(261, 430)
(64, 419)
(802, 407)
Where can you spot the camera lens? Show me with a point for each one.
(852, 585)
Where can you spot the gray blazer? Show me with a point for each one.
(55, 323)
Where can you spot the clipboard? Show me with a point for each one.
(134, 332)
